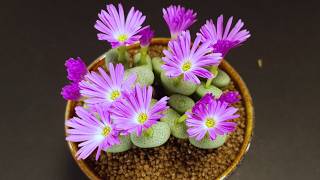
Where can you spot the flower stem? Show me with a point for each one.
(214, 71)
(182, 118)
(144, 53)
(177, 80)
(174, 36)
(122, 53)
(148, 132)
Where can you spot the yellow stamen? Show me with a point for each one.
(210, 122)
(122, 37)
(142, 118)
(106, 131)
(114, 95)
(186, 66)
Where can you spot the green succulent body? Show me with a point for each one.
(202, 90)
(138, 62)
(181, 103)
(125, 144)
(178, 130)
(160, 134)
(111, 56)
(156, 64)
(145, 76)
(206, 143)
(183, 87)
(222, 79)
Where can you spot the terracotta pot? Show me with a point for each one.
(241, 86)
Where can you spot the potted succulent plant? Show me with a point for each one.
(163, 108)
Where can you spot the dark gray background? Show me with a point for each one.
(37, 36)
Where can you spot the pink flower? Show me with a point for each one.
(222, 40)
(92, 133)
(101, 88)
(178, 18)
(76, 69)
(146, 36)
(212, 118)
(134, 112)
(71, 92)
(188, 60)
(230, 97)
(118, 30)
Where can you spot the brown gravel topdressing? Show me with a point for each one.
(176, 159)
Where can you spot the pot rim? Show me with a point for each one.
(242, 87)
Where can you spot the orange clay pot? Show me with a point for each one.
(239, 83)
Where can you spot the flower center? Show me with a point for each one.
(186, 66)
(106, 131)
(122, 37)
(210, 122)
(114, 95)
(142, 118)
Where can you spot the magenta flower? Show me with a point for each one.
(178, 18)
(105, 89)
(146, 36)
(117, 30)
(76, 69)
(91, 132)
(206, 99)
(230, 97)
(71, 92)
(188, 60)
(223, 40)
(211, 118)
(134, 112)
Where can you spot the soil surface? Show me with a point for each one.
(176, 159)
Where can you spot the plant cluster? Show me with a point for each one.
(119, 110)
